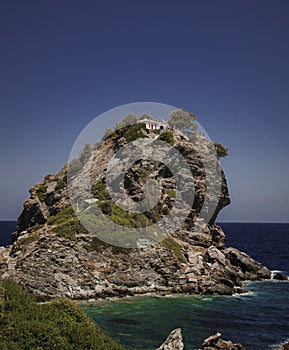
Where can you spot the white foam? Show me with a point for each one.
(277, 346)
(244, 294)
(274, 272)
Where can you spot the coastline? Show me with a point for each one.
(237, 317)
(159, 295)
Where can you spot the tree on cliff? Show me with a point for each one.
(180, 119)
(221, 150)
(127, 120)
(77, 163)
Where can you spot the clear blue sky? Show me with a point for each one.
(65, 62)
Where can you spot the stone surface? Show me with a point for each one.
(280, 277)
(247, 267)
(284, 346)
(53, 260)
(215, 342)
(173, 342)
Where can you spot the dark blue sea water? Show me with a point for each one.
(259, 319)
(267, 243)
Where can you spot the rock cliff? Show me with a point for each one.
(54, 255)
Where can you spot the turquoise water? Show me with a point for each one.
(258, 320)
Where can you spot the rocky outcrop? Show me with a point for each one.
(247, 267)
(284, 346)
(215, 342)
(173, 342)
(47, 198)
(280, 277)
(54, 255)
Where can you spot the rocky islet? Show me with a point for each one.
(54, 255)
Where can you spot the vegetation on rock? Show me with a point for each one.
(180, 119)
(87, 267)
(221, 150)
(76, 164)
(66, 224)
(29, 239)
(62, 217)
(168, 137)
(61, 183)
(129, 119)
(170, 192)
(99, 190)
(41, 192)
(172, 245)
(135, 132)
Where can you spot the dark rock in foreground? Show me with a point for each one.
(280, 277)
(215, 342)
(174, 341)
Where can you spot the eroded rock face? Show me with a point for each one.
(53, 255)
(46, 198)
(174, 341)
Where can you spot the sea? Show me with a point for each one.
(259, 318)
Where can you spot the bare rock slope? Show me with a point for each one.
(54, 255)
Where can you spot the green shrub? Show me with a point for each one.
(172, 245)
(48, 177)
(61, 217)
(180, 119)
(99, 190)
(171, 193)
(108, 133)
(122, 217)
(155, 214)
(165, 210)
(66, 224)
(41, 192)
(220, 150)
(28, 240)
(128, 120)
(168, 137)
(58, 325)
(69, 230)
(61, 183)
(134, 132)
